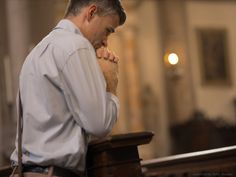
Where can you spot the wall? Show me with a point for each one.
(213, 100)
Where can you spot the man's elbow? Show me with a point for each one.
(101, 132)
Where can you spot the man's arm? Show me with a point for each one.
(93, 108)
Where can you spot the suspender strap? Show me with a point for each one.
(20, 129)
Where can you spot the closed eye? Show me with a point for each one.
(110, 30)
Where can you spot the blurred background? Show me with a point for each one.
(177, 70)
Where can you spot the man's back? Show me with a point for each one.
(54, 92)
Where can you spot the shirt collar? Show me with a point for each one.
(68, 25)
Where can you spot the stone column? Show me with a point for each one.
(115, 45)
(174, 33)
(132, 79)
(18, 44)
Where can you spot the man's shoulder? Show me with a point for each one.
(69, 42)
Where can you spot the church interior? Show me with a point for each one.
(177, 70)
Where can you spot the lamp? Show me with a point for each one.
(172, 63)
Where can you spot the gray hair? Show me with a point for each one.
(105, 7)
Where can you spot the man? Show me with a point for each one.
(66, 93)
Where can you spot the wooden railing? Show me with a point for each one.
(219, 162)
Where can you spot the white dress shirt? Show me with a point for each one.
(64, 98)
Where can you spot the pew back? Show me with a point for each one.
(219, 162)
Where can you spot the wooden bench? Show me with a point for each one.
(219, 162)
(5, 171)
(117, 156)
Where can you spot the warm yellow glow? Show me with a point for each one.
(173, 59)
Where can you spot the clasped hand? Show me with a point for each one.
(108, 62)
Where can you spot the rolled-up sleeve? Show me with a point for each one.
(93, 108)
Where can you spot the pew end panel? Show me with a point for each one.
(117, 155)
(5, 171)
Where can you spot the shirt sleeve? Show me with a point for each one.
(93, 108)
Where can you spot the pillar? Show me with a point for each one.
(174, 38)
(131, 68)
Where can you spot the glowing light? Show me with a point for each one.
(173, 59)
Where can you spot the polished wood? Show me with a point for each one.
(219, 162)
(117, 155)
(5, 171)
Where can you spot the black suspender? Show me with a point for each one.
(20, 130)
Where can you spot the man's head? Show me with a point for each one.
(96, 18)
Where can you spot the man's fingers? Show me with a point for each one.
(116, 59)
(106, 54)
(113, 58)
(99, 52)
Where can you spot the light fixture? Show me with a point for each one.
(171, 59)
(172, 64)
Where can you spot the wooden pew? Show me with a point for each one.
(116, 156)
(5, 171)
(219, 162)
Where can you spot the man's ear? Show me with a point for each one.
(91, 12)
